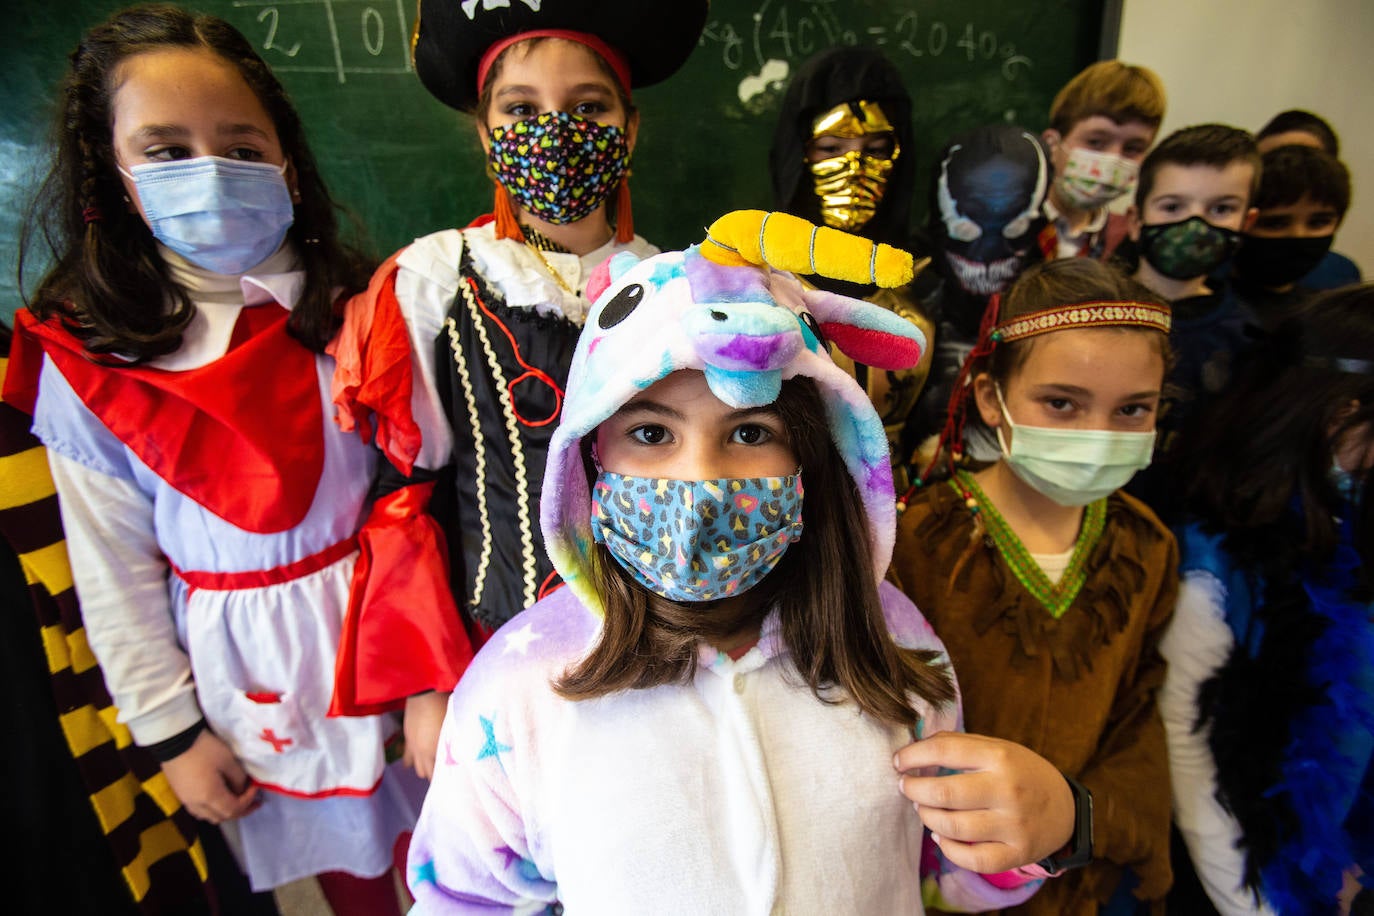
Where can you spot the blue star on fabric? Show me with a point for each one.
(490, 747)
(424, 873)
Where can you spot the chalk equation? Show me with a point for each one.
(341, 37)
(793, 31)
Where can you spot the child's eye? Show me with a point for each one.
(825, 149)
(1137, 411)
(1273, 223)
(520, 110)
(1321, 221)
(1133, 150)
(244, 154)
(1059, 405)
(879, 148)
(1224, 209)
(751, 434)
(649, 434)
(589, 109)
(167, 153)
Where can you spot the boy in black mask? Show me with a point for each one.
(1192, 204)
(1302, 198)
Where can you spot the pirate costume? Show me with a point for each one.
(455, 357)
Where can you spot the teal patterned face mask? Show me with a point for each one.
(559, 167)
(697, 540)
(1188, 248)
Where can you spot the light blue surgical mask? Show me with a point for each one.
(220, 214)
(1073, 467)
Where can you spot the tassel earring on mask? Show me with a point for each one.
(507, 224)
(624, 219)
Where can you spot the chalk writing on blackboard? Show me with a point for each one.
(792, 30)
(342, 37)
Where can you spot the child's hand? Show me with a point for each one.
(1007, 808)
(423, 717)
(210, 781)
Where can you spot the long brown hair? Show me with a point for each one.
(831, 613)
(107, 278)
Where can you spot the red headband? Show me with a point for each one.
(610, 55)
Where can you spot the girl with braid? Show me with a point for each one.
(172, 360)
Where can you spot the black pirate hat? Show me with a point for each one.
(452, 36)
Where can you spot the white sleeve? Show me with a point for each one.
(1195, 647)
(120, 576)
(427, 281)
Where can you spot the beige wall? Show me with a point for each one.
(1242, 61)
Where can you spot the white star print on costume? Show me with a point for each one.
(519, 641)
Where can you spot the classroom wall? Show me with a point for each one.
(1242, 61)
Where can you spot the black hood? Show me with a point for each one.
(831, 78)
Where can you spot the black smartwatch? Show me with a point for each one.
(1079, 851)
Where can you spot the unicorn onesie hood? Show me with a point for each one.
(731, 309)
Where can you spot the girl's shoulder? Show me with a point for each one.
(1128, 516)
(932, 518)
(434, 257)
(535, 646)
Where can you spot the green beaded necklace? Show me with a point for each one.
(1056, 598)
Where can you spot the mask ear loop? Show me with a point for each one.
(951, 442)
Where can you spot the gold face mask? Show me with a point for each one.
(851, 185)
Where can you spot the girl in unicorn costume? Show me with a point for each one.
(709, 716)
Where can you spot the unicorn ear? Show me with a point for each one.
(608, 271)
(866, 333)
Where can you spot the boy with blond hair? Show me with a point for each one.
(1101, 125)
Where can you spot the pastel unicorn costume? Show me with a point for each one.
(739, 792)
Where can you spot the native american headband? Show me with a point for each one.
(1085, 315)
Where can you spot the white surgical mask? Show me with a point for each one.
(1091, 179)
(221, 214)
(1073, 467)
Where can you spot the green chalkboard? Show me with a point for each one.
(407, 165)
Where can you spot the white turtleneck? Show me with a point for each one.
(219, 298)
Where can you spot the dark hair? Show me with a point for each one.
(831, 614)
(1122, 92)
(527, 46)
(1215, 145)
(1261, 452)
(107, 278)
(1295, 119)
(1293, 172)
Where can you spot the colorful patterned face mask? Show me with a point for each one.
(1092, 179)
(696, 540)
(558, 166)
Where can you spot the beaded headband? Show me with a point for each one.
(1084, 315)
(1103, 314)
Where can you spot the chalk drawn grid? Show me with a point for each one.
(342, 37)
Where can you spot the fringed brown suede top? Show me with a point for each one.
(1079, 690)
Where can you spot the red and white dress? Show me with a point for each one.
(212, 508)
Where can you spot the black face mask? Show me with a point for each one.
(1276, 262)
